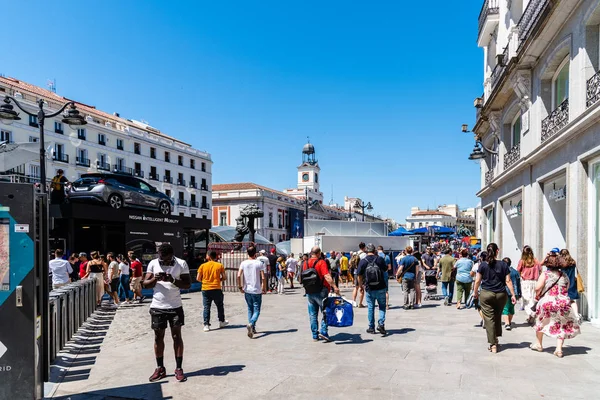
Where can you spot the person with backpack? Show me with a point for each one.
(408, 270)
(59, 182)
(371, 273)
(317, 281)
(509, 308)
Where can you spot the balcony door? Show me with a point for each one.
(560, 84)
(515, 131)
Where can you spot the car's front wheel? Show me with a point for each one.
(115, 201)
(164, 208)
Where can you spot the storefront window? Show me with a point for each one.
(596, 240)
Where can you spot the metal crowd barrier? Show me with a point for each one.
(70, 307)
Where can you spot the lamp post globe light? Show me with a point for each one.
(362, 206)
(479, 151)
(72, 118)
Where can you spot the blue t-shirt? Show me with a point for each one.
(410, 266)
(463, 270)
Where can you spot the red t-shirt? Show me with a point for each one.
(321, 268)
(136, 269)
(82, 268)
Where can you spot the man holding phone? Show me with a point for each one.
(167, 274)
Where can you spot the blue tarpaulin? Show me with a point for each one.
(400, 232)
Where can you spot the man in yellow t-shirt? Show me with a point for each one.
(211, 274)
(344, 268)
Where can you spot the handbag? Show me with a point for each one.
(534, 306)
(580, 285)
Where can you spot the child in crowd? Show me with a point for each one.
(509, 308)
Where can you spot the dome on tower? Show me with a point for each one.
(308, 149)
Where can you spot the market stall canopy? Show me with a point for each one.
(400, 232)
(435, 229)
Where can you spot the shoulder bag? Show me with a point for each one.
(580, 285)
(534, 306)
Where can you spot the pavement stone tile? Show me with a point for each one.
(430, 353)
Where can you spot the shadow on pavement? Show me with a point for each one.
(217, 371)
(429, 305)
(399, 331)
(522, 345)
(134, 392)
(267, 333)
(574, 350)
(239, 326)
(349, 338)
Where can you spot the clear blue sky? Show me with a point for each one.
(381, 87)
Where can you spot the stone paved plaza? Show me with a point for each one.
(431, 353)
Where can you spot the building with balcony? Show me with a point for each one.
(539, 124)
(110, 143)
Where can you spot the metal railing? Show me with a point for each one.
(555, 121)
(512, 156)
(138, 173)
(61, 157)
(182, 202)
(153, 177)
(500, 67)
(489, 177)
(193, 185)
(194, 204)
(205, 206)
(592, 90)
(168, 179)
(104, 166)
(530, 17)
(490, 7)
(82, 161)
(181, 182)
(120, 169)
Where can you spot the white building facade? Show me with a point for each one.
(539, 125)
(109, 143)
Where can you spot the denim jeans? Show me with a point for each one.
(379, 296)
(208, 296)
(124, 287)
(254, 301)
(315, 303)
(448, 290)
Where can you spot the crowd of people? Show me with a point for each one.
(116, 275)
(547, 290)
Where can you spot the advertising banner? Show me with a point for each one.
(296, 223)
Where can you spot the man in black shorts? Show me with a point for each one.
(167, 274)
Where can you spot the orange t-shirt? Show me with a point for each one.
(211, 275)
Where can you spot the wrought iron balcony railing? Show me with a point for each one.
(104, 166)
(489, 177)
(182, 202)
(153, 176)
(530, 17)
(490, 7)
(205, 206)
(82, 161)
(120, 169)
(512, 156)
(193, 184)
(61, 157)
(555, 121)
(168, 179)
(181, 182)
(138, 173)
(593, 90)
(194, 204)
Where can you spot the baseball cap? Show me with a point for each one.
(370, 248)
(82, 254)
(263, 252)
(555, 250)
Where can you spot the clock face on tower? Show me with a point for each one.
(304, 177)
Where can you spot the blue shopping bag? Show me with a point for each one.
(338, 312)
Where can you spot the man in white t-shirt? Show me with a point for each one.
(253, 286)
(291, 264)
(167, 274)
(264, 259)
(60, 270)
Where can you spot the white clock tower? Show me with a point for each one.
(308, 172)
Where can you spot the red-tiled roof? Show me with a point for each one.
(227, 187)
(428, 212)
(20, 86)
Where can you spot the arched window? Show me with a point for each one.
(560, 84)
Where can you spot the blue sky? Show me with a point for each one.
(381, 87)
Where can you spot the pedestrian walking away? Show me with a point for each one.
(464, 280)
(291, 265)
(212, 276)
(446, 265)
(570, 268)
(254, 285)
(136, 276)
(280, 273)
(317, 282)
(60, 270)
(493, 276)
(407, 276)
(95, 270)
(386, 275)
(167, 274)
(113, 277)
(554, 315)
(529, 268)
(509, 309)
(124, 293)
(371, 272)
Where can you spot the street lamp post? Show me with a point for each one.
(363, 207)
(72, 118)
(306, 204)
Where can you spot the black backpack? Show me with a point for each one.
(373, 274)
(310, 278)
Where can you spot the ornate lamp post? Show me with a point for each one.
(362, 206)
(307, 204)
(71, 118)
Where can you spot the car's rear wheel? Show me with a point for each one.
(164, 208)
(115, 201)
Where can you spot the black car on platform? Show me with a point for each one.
(118, 191)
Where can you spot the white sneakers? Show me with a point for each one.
(206, 328)
(223, 324)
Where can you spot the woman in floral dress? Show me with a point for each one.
(554, 316)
